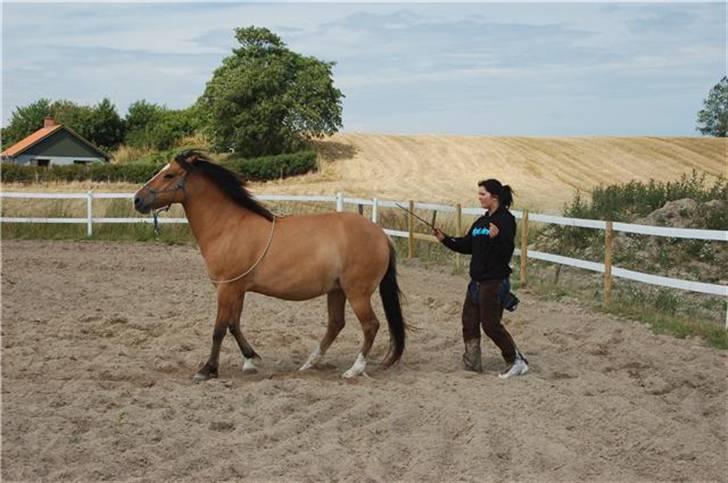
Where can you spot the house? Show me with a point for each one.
(53, 145)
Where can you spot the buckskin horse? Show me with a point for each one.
(249, 249)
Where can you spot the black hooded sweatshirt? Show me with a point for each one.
(490, 256)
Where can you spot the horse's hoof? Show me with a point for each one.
(201, 376)
(305, 367)
(250, 369)
(249, 366)
(312, 360)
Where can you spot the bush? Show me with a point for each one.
(625, 202)
(630, 201)
(273, 167)
(131, 173)
(257, 169)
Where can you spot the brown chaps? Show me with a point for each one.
(489, 313)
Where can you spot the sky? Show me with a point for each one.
(542, 69)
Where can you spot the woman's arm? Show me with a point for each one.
(458, 244)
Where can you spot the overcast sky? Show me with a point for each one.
(471, 69)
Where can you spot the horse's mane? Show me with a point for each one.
(229, 183)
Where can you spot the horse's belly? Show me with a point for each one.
(297, 289)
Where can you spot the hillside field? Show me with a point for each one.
(545, 172)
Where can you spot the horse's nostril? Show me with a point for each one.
(137, 201)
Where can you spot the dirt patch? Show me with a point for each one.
(100, 342)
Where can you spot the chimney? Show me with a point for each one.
(49, 122)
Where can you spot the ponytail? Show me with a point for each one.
(506, 196)
(503, 192)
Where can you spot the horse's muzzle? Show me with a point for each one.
(141, 205)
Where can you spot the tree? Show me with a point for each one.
(140, 120)
(24, 121)
(154, 126)
(99, 124)
(266, 99)
(713, 118)
(105, 125)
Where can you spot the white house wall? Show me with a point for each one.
(30, 160)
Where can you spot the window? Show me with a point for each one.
(42, 163)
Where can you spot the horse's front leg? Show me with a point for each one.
(229, 306)
(249, 355)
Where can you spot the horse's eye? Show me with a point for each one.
(168, 176)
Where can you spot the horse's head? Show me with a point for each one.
(168, 185)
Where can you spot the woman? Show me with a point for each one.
(490, 241)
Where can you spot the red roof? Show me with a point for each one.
(49, 127)
(27, 142)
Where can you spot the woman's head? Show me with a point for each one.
(492, 194)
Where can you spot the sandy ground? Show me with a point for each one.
(100, 341)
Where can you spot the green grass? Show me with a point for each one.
(666, 311)
(668, 323)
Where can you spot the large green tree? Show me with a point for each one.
(713, 118)
(266, 99)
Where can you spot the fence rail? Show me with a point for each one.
(339, 200)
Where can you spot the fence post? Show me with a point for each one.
(608, 239)
(411, 230)
(89, 213)
(459, 229)
(360, 208)
(339, 202)
(523, 275)
(375, 215)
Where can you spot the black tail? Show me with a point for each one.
(390, 293)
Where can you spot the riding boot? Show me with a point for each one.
(471, 357)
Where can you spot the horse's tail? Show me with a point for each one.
(390, 293)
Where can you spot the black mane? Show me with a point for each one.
(229, 183)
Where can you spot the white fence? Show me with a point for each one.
(339, 201)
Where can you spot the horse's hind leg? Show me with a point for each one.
(370, 325)
(336, 301)
(249, 355)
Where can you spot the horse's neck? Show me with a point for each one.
(212, 219)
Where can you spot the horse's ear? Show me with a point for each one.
(188, 159)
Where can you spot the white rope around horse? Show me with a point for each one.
(270, 239)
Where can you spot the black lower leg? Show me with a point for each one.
(245, 348)
(210, 367)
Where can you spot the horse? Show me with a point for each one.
(246, 248)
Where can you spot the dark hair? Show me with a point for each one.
(229, 183)
(504, 193)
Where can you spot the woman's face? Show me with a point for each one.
(487, 200)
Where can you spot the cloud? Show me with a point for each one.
(396, 63)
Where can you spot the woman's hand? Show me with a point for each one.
(438, 234)
(493, 230)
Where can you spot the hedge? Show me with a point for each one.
(273, 167)
(257, 169)
(132, 173)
